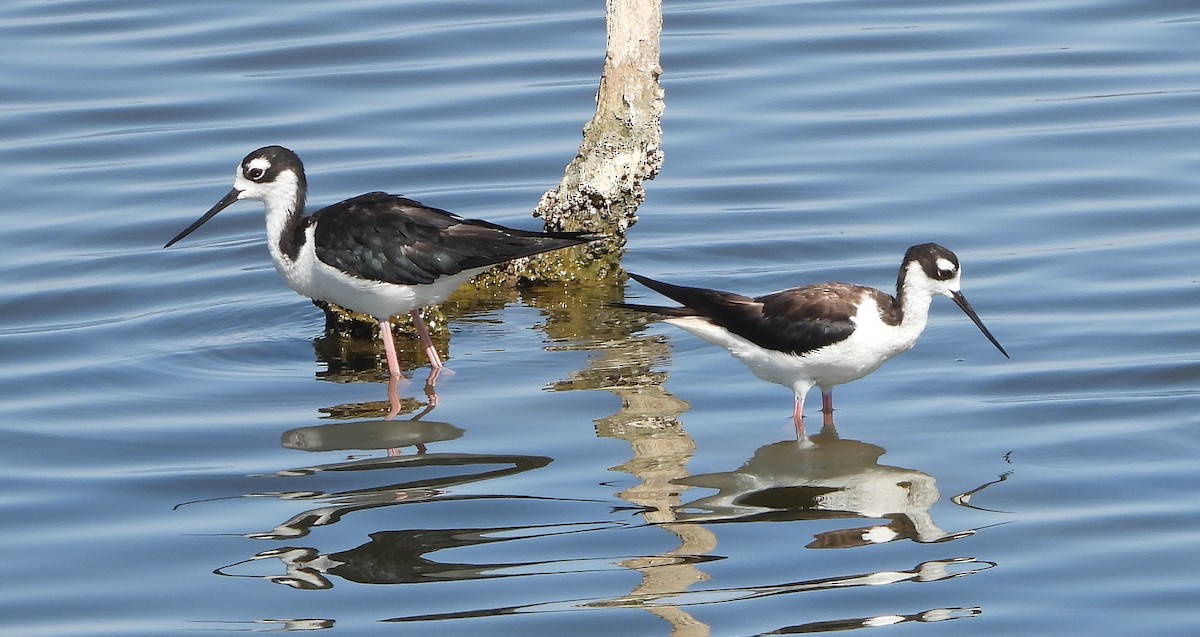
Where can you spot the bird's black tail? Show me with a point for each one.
(655, 309)
(695, 301)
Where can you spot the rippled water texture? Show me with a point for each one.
(182, 450)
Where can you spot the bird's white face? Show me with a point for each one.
(254, 181)
(272, 175)
(931, 270)
(943, 279)
(948, 279)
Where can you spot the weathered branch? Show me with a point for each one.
(621, 148)
(601, 188)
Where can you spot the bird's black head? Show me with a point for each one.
(264, 165)
(931, 269)
(938, 263)
(271, 174)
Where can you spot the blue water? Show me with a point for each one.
(182, 450)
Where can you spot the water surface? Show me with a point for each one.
(183, 450)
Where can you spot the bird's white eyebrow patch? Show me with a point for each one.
(946, 264)
(262, 163)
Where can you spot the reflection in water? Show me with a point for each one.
(931, 571)
(399, 557)
(351, 355)
(824, 477)
(819, 478)
(649, 421)
(271, 625)
(932, 615)
(964, 499)
(353, 360)
(367, 435)
(338, 504)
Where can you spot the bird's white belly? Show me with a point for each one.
(867, 348)
(318, 280)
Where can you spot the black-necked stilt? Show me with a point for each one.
(821, 335)
(378, 254)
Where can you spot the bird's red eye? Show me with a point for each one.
(254, 174)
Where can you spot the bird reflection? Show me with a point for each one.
(401, 557)
(351, 360)
(390, 435)
(273, 625)
(931, 615)
(925, 572)
(823, 477)
(453, 469)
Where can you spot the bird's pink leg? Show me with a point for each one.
(393, 397)
(431, 353)
(430, 391)
(827, 406)
(798, 416)
(389, 346)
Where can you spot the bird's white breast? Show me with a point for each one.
(871, 344)
(316, 279)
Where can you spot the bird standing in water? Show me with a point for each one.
(377, 254)
(823, 335)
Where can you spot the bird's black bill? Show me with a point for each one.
(966, 307)
(221, 205)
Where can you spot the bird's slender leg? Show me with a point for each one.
(389, 346)
(798, 416)
(431, 353)
(827, 406)
(430, 391)
(393, 397)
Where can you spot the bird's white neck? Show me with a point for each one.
(914, 299)
(284, 203)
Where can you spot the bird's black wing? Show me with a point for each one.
(803, 319)
(794, 321)
(398, 240)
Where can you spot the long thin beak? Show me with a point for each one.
(221, 205)
(966, 307)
